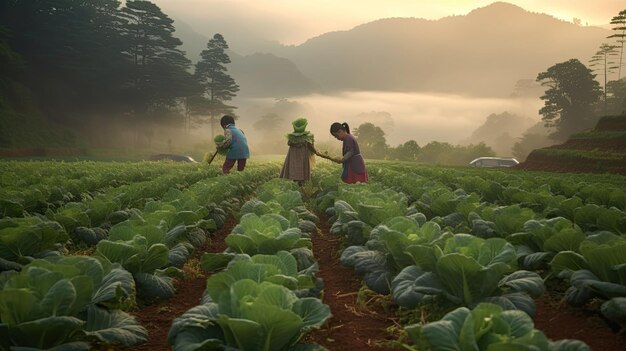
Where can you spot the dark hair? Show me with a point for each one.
(226, 120)
(335, 127)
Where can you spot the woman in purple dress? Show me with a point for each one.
(353, 164)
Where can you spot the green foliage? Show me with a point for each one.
(280, 268)
(572, 93)
(57, 302)
(541, 239)
(97, 58)
(217, 87)
(606, 63)
(501, 221)
(616, 96)
(140, 250)
(384, 255)
(405, 152)
(619, 22)
(371, 140)
(467, 271)
(447, 154)
(487, 327)
(158, 66)
(599, 270)
(24, 239)
(265, 234)
(249, 316)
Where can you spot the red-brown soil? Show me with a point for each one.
(558, 321)
(157, 318)
(354, 325)
(541, 162)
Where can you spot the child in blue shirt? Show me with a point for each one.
(236, 144)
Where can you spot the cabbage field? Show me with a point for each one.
(456, 257)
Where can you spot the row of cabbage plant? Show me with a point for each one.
(555, 244)
(449, 192)
(35, 187)
(266, 298)
(155, 243)
(73, 301)
(418, 263)
(27, 238)
(510, 186)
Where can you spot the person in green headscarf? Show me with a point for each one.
(301, 153)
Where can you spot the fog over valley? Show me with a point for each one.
(402, 116)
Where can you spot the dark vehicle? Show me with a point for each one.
(494, 162)
(171, 157)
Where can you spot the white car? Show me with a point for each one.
(494, 162)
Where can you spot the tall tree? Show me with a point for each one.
(617, 96)
(159, 78)
(620, 27)
(604, 60)
(406, 152)
(211, 72)
(372, 140)
(570, 98)
(71, 48)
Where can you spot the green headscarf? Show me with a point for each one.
(299, 134)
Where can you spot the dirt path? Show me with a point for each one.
(158, 318)
(353, 326)
(559, 321)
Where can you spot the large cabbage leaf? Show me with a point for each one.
(43, 306)
(486, 327)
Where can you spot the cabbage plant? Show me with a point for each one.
(265, 234)
(25, 239)
(140, 249)
(467, 271)
(374, 203)
(541, 239)
(486, 327)
(592, 217)
(280, 268)
(500, 221)
(384, 255)
(60, 303)
(598, 271)
(249, 316)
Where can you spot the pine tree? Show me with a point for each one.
(218, 86)
(620, 27)
(159, 68)
(604, 60)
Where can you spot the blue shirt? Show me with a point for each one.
(238, 148)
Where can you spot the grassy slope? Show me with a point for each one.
(599, 150)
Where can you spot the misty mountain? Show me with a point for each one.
(266, 75)
(501, 131)
(258, 75)
(483, 53)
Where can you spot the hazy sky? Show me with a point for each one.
(295, 21)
